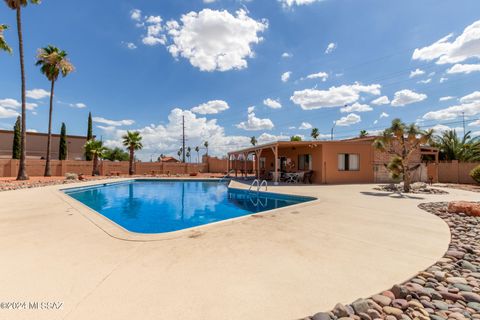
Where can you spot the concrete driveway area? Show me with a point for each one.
(284, 264)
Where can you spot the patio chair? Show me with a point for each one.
(307, 177)
(300, 177)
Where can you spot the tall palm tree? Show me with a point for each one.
(315, 133)
(133, 141)
(197, 150)
(452, 147)
(179, 153)
(97, 150)
(52, 62)
(3, 44)
(17, 6)
(206, 146)
(253, 140)
(401, 141)
(363, 134)
(189, 150)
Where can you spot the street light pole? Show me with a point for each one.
(331, 133)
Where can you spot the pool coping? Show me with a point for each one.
(114, 230)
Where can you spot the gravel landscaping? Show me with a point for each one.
(450, 289)
(417, 187)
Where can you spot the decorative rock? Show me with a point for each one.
(342, 311)
(440, 305)
(322, 316)
(374, 314)
(360, 306)
(382, 300)
(364, 316)
(392, 311)
(469, 208)
(470, 296)
(474, 305)
(454, 280)
(399, 291)
(469, 266)
(400, 304)
(389, 294)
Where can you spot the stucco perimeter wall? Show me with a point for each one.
(456, 172)
(330, 163)
(9, 168)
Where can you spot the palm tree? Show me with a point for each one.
(363, 133)
(206, 146)
(17, 6)
(452, 147)
(133, 141)
(179, 153)
(197, 150)
(253, 141)
(97, 150)
(3, 44)
(401, 142)
(315, 133)
(52, 62)
(189, 150)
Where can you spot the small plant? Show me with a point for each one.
(475, 174)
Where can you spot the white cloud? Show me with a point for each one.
(309, 99)
(381, 101)
(271, 103)
(286, 75)
(7, 113)
(464, 68)
(136, 15)
(469, 105)
(349, 120)
(211, 107)
(330, 48)
(441, 128)
(356, 107)
(405, 97)
(209, 1)
(446, 98)
(384, 115)
(320, 75)
(37, 94)
(115, 123)
(416, 73)
(14, 104)
(268, 138)
(250, 109)
(305, 126)
(155, 35)
(291, 3)
(215, 40)
(442, 79)
(78, 105)
(255, 124)
(287, 55)
(425, 81)
(472, 97)
(474, 123)
(129, 45)
(164, 138)
(465, 46)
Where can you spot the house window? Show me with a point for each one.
(348, 162)
(305, 162)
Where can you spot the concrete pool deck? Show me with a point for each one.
(282, 264)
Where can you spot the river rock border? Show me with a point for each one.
(449, 289)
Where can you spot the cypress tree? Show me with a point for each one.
(63, 148)
(17, 139)
(88, 155)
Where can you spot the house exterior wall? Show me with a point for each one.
(331, 174)
(37, 145)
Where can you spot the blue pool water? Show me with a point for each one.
(156, 206)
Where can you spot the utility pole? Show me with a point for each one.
(331, 133)
(463, 116)
(183, 138)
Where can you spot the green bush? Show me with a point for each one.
(475, 173)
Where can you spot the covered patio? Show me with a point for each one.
(291, 162)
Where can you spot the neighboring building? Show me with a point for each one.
(341, 161)
(169, 159)
(37, 145)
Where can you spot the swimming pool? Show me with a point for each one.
(157, 206)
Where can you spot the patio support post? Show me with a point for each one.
(235, 162)
(276, 175)
(228, 163)
(245, 156)
(257, 159)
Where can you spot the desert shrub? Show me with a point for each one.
(475, 174)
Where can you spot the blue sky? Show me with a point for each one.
(142, 64)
